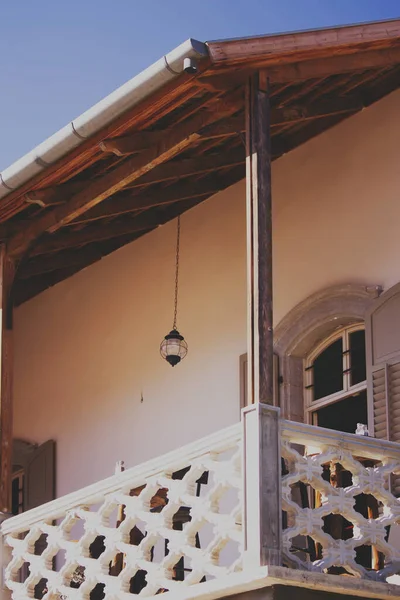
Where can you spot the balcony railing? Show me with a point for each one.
(314, 500)
(169, 523)
(340, 514)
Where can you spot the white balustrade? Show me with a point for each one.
(176, 521)
(336, 492)
(172, 522)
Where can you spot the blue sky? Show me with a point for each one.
(57, 58)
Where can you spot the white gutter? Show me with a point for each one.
(100, 115)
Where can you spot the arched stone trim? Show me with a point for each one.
(308, 323)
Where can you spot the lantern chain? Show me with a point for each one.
(178, 235)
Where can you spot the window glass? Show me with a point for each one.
(344, 415)
(358, 371)
(328, 370)
(17, 493)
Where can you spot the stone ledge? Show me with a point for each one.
(271, 581)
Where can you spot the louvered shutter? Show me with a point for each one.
(382, 326)
(40, 476)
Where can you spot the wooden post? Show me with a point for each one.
(5, 558)
(262, 488)
(259, 241)
(262, 463)
(7, 273)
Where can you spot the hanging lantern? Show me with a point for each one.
(173, 347)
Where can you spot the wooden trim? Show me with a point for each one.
(7, 275)
(243, 380)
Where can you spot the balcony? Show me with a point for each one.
(190, 522)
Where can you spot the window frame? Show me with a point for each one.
(19, 476)
(312, 406)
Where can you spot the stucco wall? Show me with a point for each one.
(87, 349)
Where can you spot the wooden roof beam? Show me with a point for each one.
(293, 71)
(154, 107)
(136, 142)
(139, 141)
(108, 184)
(307, 44)
(93, 235)
(126, 203)
(334, 65)
(147, 220)
(192, 166)
(52, 196)
(225, 128)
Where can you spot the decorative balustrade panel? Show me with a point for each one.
(339, 513)
(169, 523)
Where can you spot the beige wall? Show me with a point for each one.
(87, 349)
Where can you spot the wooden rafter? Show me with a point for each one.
(141, 140)
(191, 166)
(110, 183)
(94, 234)
(149, 111)
(127, 203)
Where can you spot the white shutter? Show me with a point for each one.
(379, 399)
(382, 326)
(394, 401)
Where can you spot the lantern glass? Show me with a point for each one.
(173, 348)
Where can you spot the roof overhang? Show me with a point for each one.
(170, 139)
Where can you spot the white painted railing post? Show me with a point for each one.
(5, 556)
(262, 486)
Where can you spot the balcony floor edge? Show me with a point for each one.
(265, 578)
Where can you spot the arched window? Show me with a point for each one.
(335, 381)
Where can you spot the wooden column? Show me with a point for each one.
(262, 462)
(7, 273)
(259, 241)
